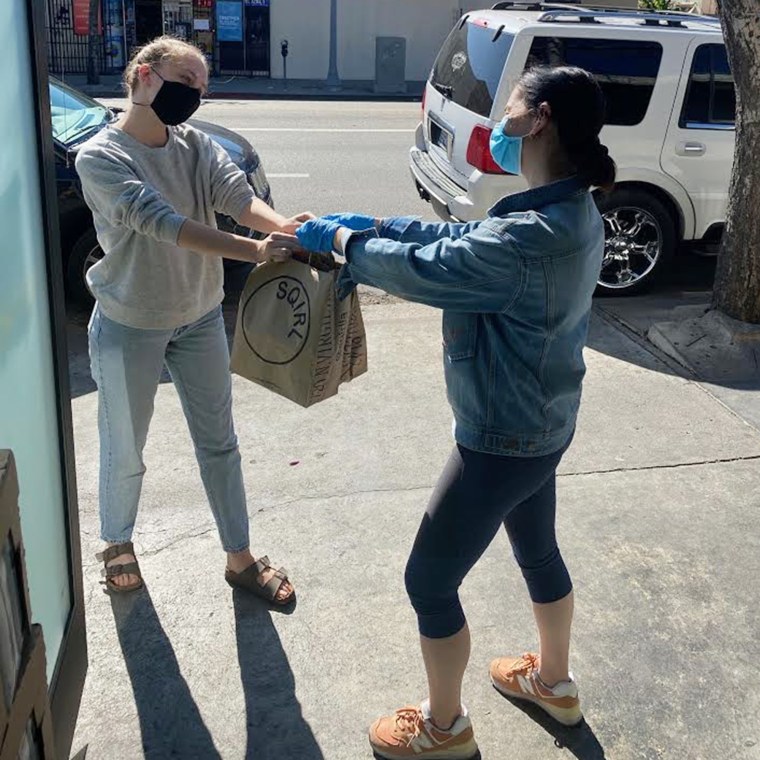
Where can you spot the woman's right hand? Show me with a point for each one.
(355, 222)
(318, 235)
(279, 246)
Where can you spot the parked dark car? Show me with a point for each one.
(76, 117)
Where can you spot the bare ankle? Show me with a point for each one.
(444, 721)
(551, 678)
(444, 725)
(239, 561)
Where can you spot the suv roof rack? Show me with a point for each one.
(591, 15)
(529, 5)
(650, 18)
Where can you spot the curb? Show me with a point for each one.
(658, 337)
(298, 93)
(362, 97)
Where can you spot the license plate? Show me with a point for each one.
(441, 137)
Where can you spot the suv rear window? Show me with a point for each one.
(711, 97)
(627, 71)
(469, 67)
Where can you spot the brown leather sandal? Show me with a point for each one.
(115, 571)
(248, 580)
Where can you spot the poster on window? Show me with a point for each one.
(82, 18)
(229, 21)
(115, 51)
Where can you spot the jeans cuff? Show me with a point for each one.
(116, 540)
(237, 551)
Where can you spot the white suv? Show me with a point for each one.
(670, 122)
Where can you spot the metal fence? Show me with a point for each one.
(67, 28)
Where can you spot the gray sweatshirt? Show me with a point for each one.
(140, 197)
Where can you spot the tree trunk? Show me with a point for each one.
(737, 281)
(93, 42)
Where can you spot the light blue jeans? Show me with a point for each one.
(127, 364)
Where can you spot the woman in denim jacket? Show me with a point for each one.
(516, 297)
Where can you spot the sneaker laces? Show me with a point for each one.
(525, 664)
(409, 724)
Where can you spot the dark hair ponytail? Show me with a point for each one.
(577, 110)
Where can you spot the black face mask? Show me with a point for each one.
(175, 102)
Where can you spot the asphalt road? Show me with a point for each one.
(328, 157)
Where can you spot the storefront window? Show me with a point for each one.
(28, 401)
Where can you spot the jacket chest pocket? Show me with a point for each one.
(460, 335)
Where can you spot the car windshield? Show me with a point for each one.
(74, 114)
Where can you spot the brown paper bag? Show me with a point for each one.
(294, 337)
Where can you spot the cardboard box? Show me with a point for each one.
(13, 621)
(28, 731)
(8, 482)
(15, 607)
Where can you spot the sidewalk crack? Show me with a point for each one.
(675, 466)
(346, 495)
(610, 471)
(177, 539)
(411, 489)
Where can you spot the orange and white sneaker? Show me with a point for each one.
(518, 677)
(410, 732)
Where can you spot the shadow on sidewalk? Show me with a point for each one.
(275, 724)
(170, 722)
(688, 286)
(579, 740)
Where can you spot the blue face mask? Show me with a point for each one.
(506, 150)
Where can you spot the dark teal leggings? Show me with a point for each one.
(476, 494)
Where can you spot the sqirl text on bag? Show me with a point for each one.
(294, 336)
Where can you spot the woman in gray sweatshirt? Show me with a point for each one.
(153, 184)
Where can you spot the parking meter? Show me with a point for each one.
(284, 53)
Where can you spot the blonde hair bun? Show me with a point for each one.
(161, 49)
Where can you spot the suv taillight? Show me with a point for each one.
(479, 151)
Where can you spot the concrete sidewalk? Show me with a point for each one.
(659, 521)
(249, 88)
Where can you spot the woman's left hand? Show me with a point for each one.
(292, 224)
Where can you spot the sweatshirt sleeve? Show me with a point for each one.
(114, 191)
(230, 192)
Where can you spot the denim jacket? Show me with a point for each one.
(516, 292)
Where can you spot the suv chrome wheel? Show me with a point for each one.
(633, 246)
(641, 236)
